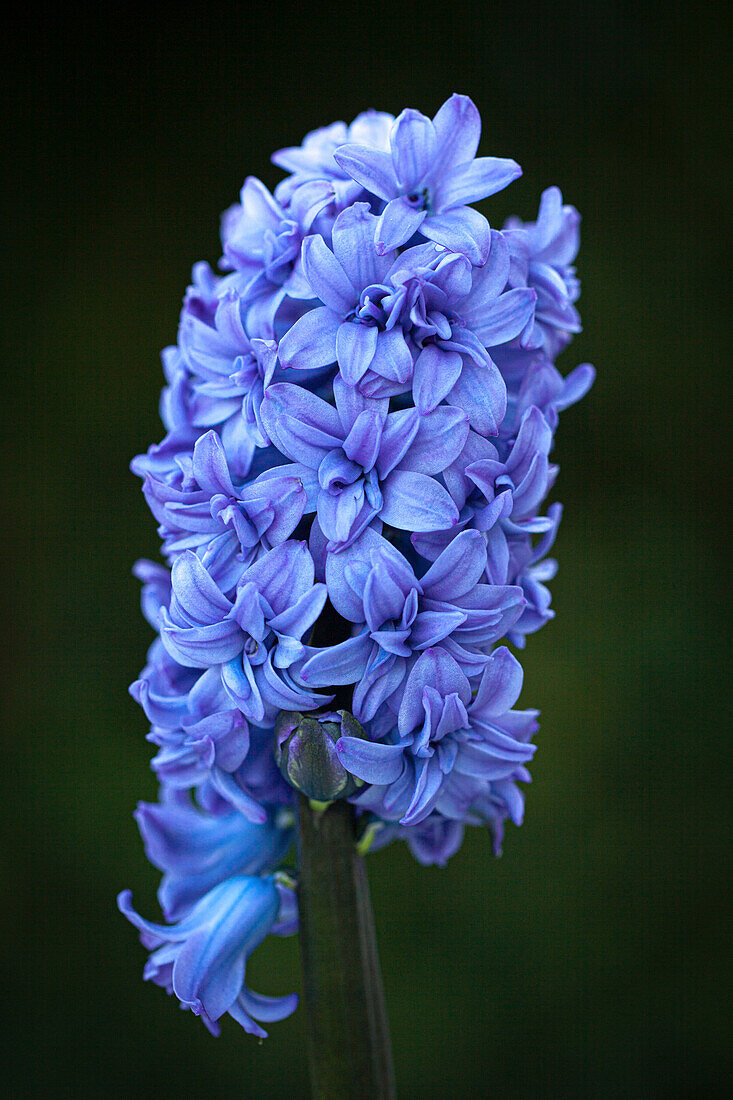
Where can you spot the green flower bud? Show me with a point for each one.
(305, 750)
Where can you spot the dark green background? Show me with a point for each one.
(590, 961)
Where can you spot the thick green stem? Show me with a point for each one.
(348, 1034)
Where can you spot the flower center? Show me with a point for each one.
(337, 472)
(420, 199)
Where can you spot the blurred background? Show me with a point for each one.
(590, 960)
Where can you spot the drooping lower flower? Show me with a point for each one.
(198, 850)
(202, 958)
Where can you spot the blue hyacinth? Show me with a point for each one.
(360, 414)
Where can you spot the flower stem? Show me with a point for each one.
(348, 1033)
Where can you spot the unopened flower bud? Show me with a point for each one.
(305, 750)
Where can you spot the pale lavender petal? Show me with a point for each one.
(461, 229)
(362, 443)
(346, 575)
(431, 627)
(202, 646)
(438, 442)
(435, 669)
(267, 1009)
(399, 431)
(306, 475)
(311, 342)
(481, 392)
(301, 615)
(210, 465)
(343, 517)
(488, 281)
(283, 693)
(339, 664)
(353, 245)
(241, 686)
(576, 385)
(416, 502)
(397, 223)
(474, 180)
(457, 569)
(372, 692)
(436, 371)
(458, 129)
(196, 592)
(355, 347)
(302, 426)
(351, 402)
(500, 685)
(414, 145)
(229, 789)
(282, 575)
(196, 977)
(506, 318)
(370, 167)
(427, 789)
(384, 595)
(392, 359)
(326, 276)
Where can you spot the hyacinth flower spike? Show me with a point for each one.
(360, 417)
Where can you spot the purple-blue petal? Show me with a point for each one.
(311, 342)
(474, 180)
(355, 348)
(458, 129)
(326, 276)
(397, 223)
(500, 685)
(414, 145)
(416, 502)
(338, 664)
(371, 168)
(370, 760)
(461, 229)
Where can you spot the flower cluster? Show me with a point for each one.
(359, 413)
